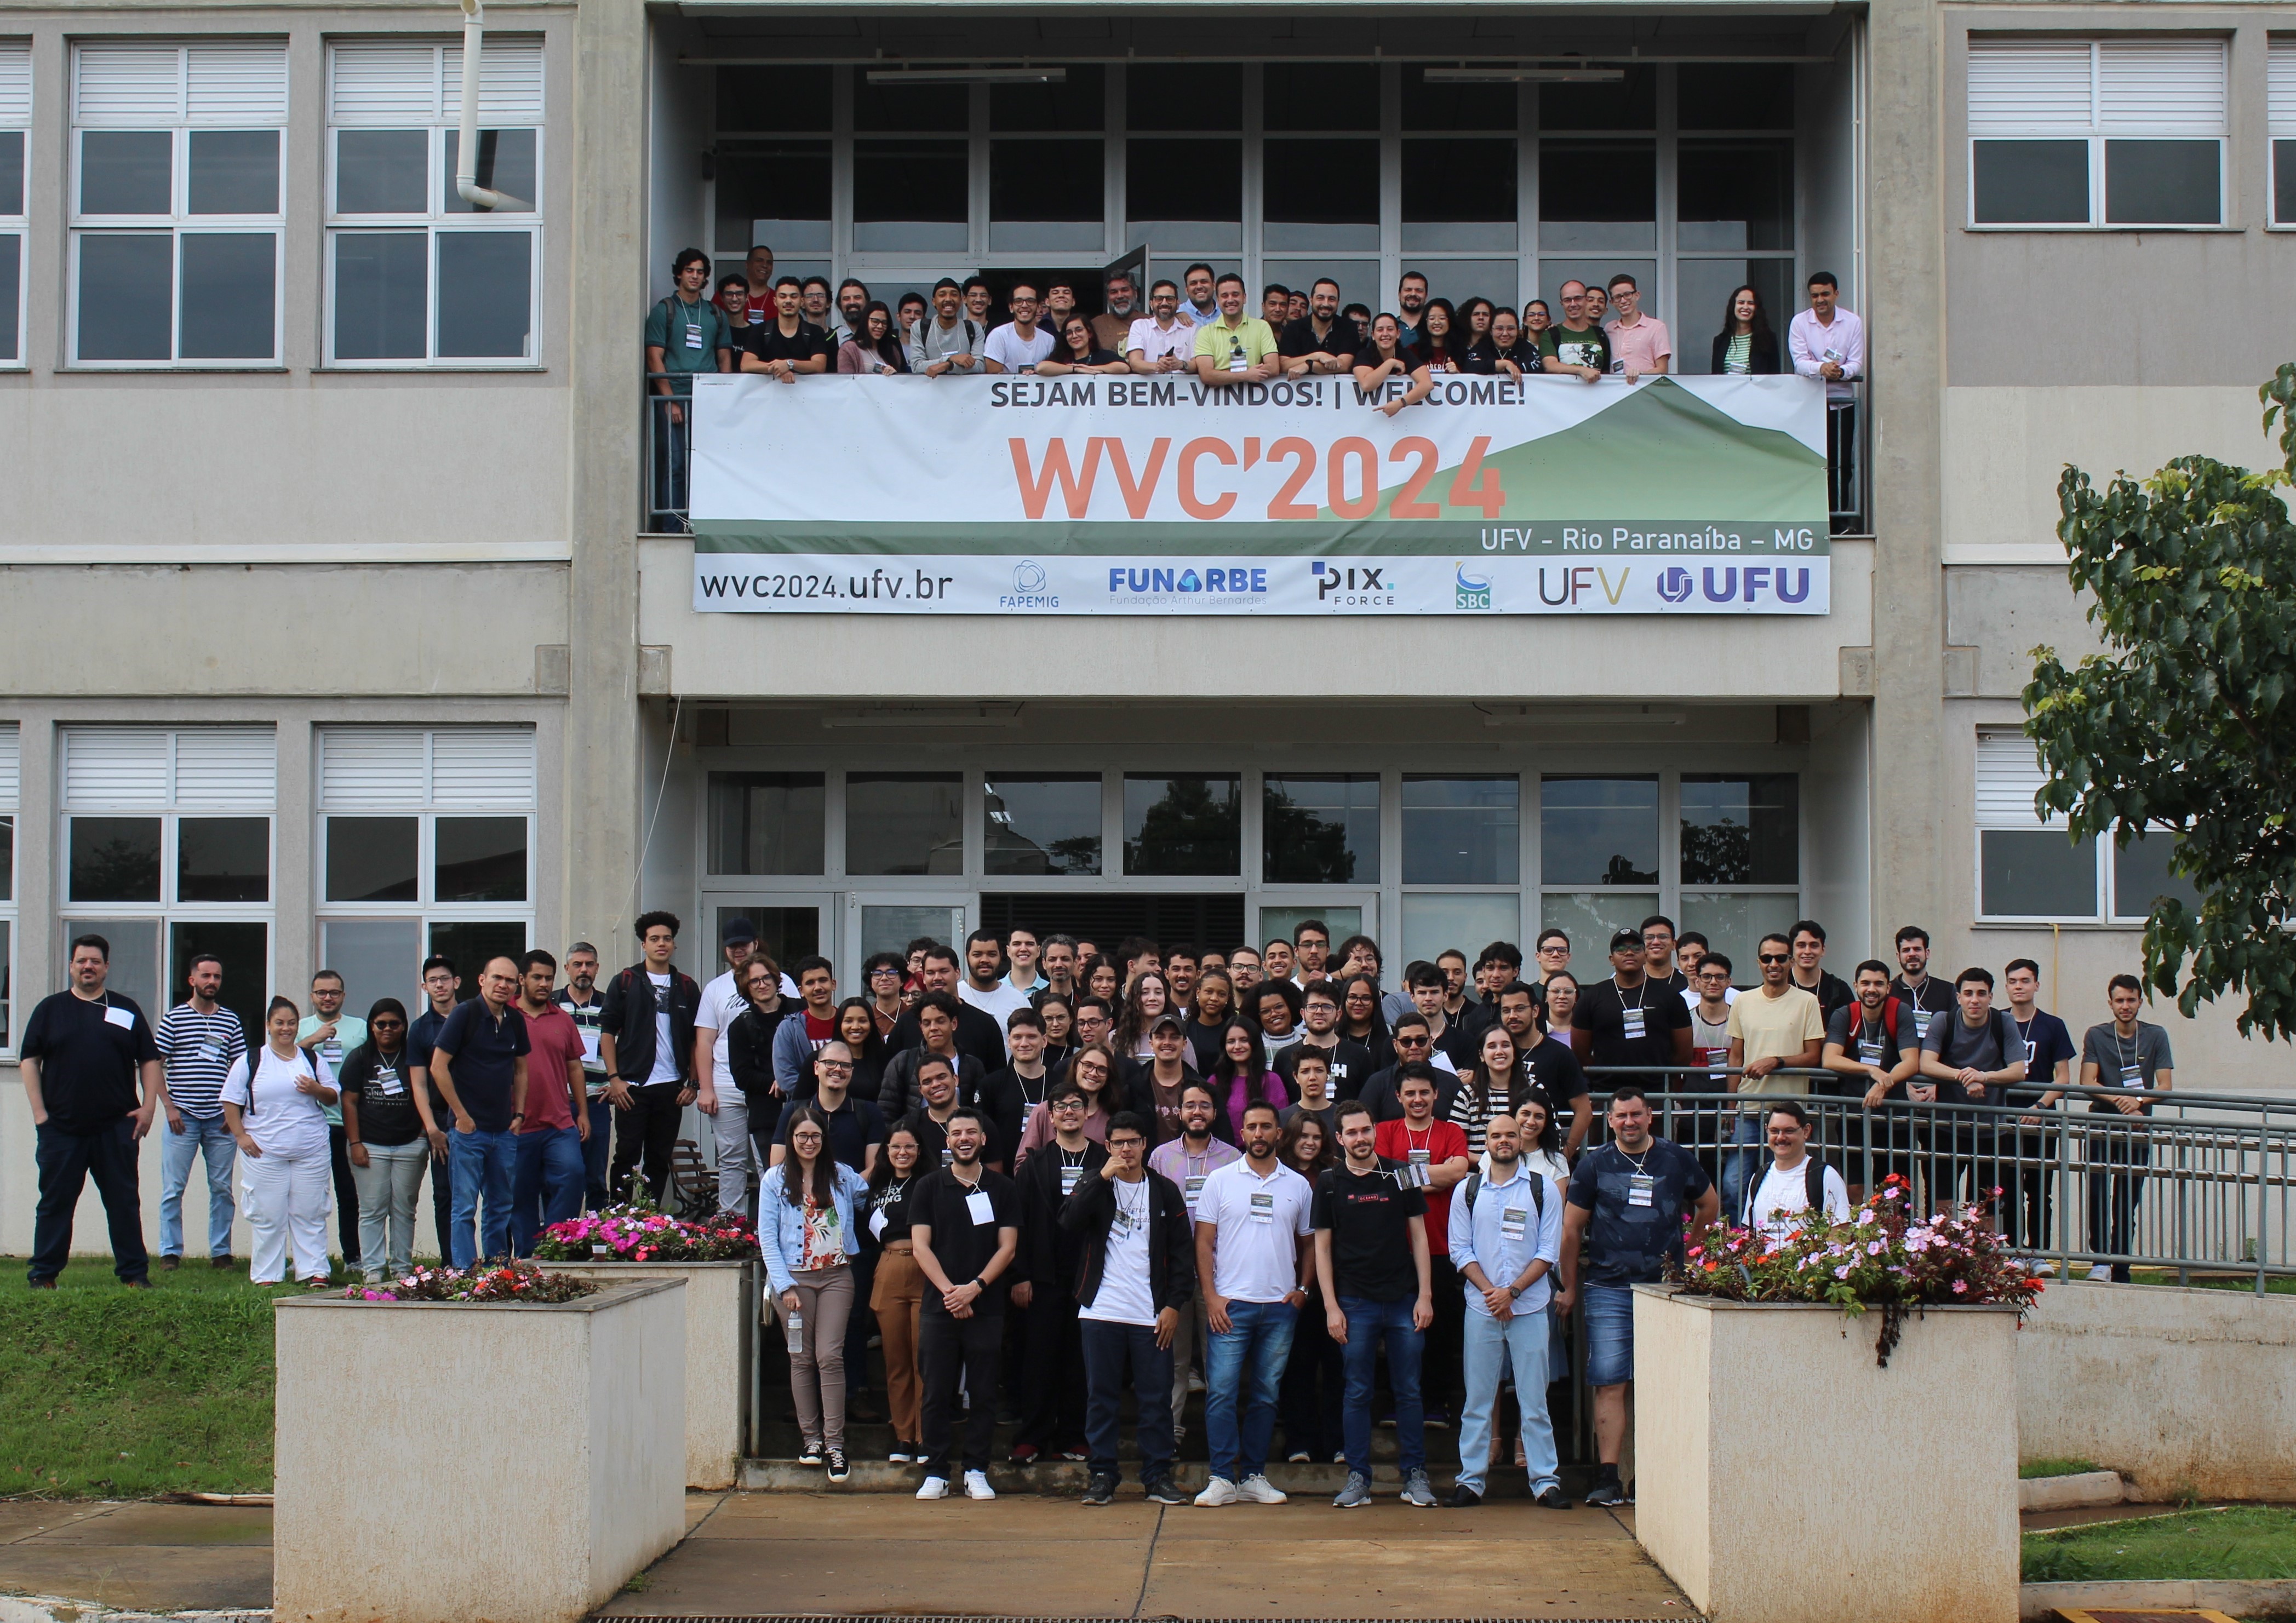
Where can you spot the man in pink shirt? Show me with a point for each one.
(547, 1181)
(1640, 345)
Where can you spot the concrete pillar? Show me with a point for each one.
(602, 779)
(1905, 328)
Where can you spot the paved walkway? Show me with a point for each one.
(137, 1557)
(781, 1553)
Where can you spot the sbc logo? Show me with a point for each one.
(1468, 593)
(1676, 584)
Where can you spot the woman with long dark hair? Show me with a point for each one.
(1745, 347)
(1101, 977)
(897, 1295)
(1386, 356)
(272, 1099)
(1494, 1085)
(874, 352)
(386, 1143)
(1211, 1004)
(805, 1226)
(1147, 998)
(1314, 1375)
(1242, 1079)
(1059, 1012)
(1441, 343)
(856, 1028)
(1362, 1019)
(1075, 349)
(1095, 1070)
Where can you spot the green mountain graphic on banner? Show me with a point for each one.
(1660, 456)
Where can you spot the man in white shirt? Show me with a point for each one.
(948, 341)
(1160, 341)
(721, 1098)
(1506, 1238)
(1254, 1260)
(1020, 344)
(1828, 342)
(1781, 1194)
(984, 986)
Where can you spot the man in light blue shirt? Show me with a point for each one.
(1507, 1237)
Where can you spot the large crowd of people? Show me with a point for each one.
(1035, 1168)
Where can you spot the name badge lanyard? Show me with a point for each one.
(1630, 1019)
(1869, 1040)
(2025, 1035)
(2132, 1071)
(1070, 1171)
(1420, 1157)
(1642, 1188)
(1192, 1184)
(1130, 1214)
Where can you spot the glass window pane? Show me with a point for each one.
(233, 171)
(2140, 876)
(1182, 826)
(1340, 922)
(486, 300)
(11, 283)
(1079, 103)
(1433, 923)
(2036, 873)
(1320, 194)
(134, 957)
(382, 295)
(480, 859)
(1438, 106)
(231, 292)
(2163, 183)
(785, 183)
(891, 929)
(1734, 922)
(124, 171)
(764, 98)
(2283, 182)
(1590, 918)
(910, 195)
(903, 823)
(223, 859)
(1184, 95)
(7, 861)
(1320, 830)
(1045, 194)
(12, 171)
(1041, 825)
(506, 164)
(469, 946)
(1458, 194)
(371, 859)
(115, 859)
(2031, 183)
(376, 958)
(1735, 195)
(1461, 831)
(766, 822)
(381, 171)
(1627, 103)
(1741, 96)
(909, 108)
(1319, 96)
(1598, 196)
(1599, 830)
(245, 949)
(1741, 830)
(7, 984)
(1187, 193)
(127, 297)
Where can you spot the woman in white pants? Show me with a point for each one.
(271, 1103)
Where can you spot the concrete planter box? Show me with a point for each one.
(721, 1316)
(1779, 1469)
(442, 1462)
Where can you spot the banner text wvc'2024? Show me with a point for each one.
(1026, 495)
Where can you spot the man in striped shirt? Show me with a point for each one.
(198, 1040)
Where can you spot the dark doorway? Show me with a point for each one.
(1211, 923)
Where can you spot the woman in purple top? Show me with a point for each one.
(1241, 1077)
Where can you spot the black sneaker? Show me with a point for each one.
(838, 1468)
(1463, 1498)
(1605, 1495)
(1024, 1454)
(812, 1454)
(1551, 1497)
(1163, 1492)
(1100, 1490)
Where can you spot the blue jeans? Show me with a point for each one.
(1739, 1166)
(1610, 1335)
(1522, 1341)
(1368, 1322)
(483, 1165)
(596, 1153)
(201, 1135)
(1243, 1366)
(546, 1187)
(1110, 1351)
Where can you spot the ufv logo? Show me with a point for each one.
(1566, 584)
(1468, 593)
(1133, 582)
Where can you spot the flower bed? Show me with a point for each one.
(641, 1232)
(497, 1283)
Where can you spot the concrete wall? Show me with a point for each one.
(2179, 1391)
(721, 1316)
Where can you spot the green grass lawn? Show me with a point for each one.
(2278, 1285)
(117, 1394)
(2247, 1541)
(2032, 1470)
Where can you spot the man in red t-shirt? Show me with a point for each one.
(547, 1183)
(1421, 1140)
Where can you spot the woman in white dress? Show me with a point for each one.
(271, 1100)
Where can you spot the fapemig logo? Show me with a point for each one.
(1028, 588)
(1468, 593)
(1352, 586)
(1676, 584)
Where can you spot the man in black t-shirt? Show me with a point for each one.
(1925, 995)
(1869, 1046)
(1370, 1218)
(84, 1052)
(965, 1221)
(1630, 1019)
(786, 346)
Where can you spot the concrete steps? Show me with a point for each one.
(1059, 1479)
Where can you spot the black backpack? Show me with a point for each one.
(1474, 1187)
(1813, 1184)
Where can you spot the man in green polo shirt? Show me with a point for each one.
(684, 333)
(1236, 348)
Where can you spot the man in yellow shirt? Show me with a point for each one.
(1236, 348)
(1776, 1027)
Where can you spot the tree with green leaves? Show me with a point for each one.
(2187, 720)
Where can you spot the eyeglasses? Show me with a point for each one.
(1777, 957)
(1402, 1041)
(883, 969)
(1067, 1105)
(832, 1065)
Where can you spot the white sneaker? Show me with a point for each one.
(1259, 1490)
(2101, 1272)
(1219, 1490)
(976, 1485)
(935, 1487)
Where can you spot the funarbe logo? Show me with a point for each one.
(1167, 580)
(1468, 593)
(1352, 586)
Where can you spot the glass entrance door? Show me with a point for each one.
(888, 921)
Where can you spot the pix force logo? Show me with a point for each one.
(1468, 593)
(1352, 586)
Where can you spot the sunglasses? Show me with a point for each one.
(1777, 958)
(1412, 1042)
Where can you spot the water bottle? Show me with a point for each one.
(795, 1324)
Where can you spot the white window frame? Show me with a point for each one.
(2004, 819)
(2280, 122)
(16, 118)
(2097, 127)
(503, 105)
(11, 779)
(179, 223)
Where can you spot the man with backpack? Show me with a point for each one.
(1795, 1182)
(1863, 1047)
(645, 1040)
(1507, 1238)
(948, 340)
(1973, 1056)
